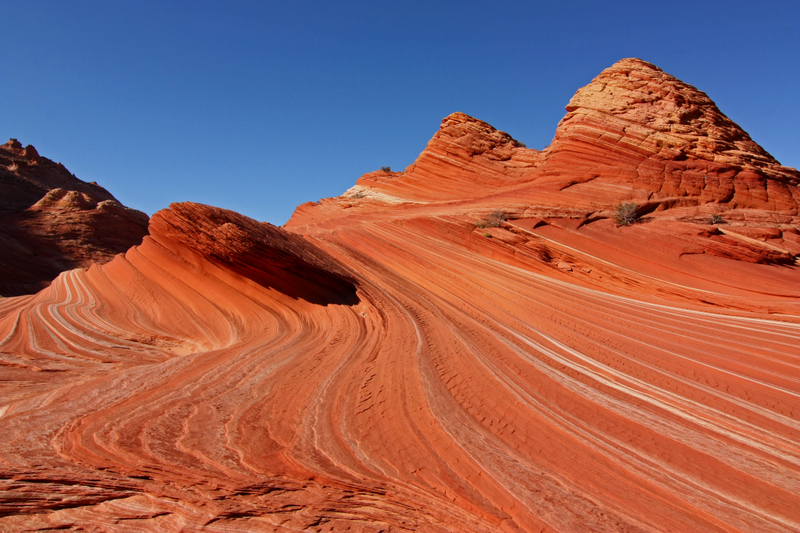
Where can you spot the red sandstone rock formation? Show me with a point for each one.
(495, 354)
(51, 221)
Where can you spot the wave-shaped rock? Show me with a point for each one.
(259, 251)
(500, 356)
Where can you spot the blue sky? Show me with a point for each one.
(261, 106)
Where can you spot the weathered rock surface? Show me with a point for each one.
(664, 141)
(465, 158)
(50, 221)
(497, 355)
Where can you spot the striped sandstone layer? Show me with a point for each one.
(494, 354)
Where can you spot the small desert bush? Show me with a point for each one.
(495, 220)
(717, 219)
(625, 214)
(386, 169)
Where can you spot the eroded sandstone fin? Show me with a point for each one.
(268, 255)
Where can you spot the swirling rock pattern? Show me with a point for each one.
(499, 357)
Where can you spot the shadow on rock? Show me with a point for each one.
(261, 252)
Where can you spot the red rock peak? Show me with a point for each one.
(678, 115)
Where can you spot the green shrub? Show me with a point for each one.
(386, 169)
(717, 219)
(625, 214)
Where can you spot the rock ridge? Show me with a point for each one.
(259, 251)
(635, 133)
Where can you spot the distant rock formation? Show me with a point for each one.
(463, 159)
(599, 336)
(636, 127)
(633, 135)
(51, 221)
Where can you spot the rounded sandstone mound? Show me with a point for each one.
(679, 115)
(638, 133)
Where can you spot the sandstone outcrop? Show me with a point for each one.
(50, 221)
(464, 158)
(495, 354)
(667, 141)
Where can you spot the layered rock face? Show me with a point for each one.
(50, 221)
(495, 354)
(667, 141)
(465, 158)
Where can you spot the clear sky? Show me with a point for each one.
(259, 106)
